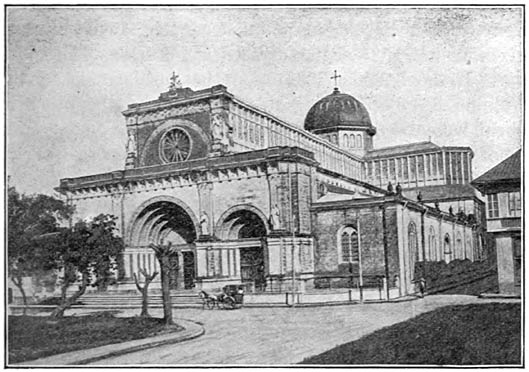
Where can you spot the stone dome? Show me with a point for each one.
(338, 110)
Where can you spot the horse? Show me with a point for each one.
(211, 300)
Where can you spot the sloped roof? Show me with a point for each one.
(432, 193)
(339, 190)
(507, 170)
(401, 149)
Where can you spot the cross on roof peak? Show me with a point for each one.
(175, 82)
(335, 77)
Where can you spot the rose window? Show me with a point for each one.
(175, 146)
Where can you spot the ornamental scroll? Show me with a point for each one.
(172, 112)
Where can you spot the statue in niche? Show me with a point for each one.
(217, 127)
(227, 139)
(221, 130)
(275, 220)
(204, 223)
(131, 144)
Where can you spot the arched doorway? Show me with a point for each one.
(163, 222)
(248, 229)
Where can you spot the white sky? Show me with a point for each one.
(452, 74)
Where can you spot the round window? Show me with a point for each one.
(175, 146)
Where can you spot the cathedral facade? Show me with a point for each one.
(248, 198)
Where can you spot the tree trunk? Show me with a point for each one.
(165, 266)
(18, 282)
(145, 303)
(144, 292)
(67, 302)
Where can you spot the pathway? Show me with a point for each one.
(279, 336)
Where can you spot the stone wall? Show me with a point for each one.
(368, 220)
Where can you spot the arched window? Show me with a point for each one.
(432, 245)
(412, 244)
(348, 244)
(346, 140)
(359, 141)
(334, 138)
(352, 140)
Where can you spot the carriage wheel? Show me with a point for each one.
(210, 304)
(229, 303)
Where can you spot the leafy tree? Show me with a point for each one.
(144, 290)
(168, 258)
(88, 250)
(30, 217)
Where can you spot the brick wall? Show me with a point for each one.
(368, 220)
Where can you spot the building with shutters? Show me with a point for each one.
(501, 185)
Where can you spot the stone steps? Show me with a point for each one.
(129, 300)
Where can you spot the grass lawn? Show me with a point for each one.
(488, 284)
(33, 337)
(459, 335)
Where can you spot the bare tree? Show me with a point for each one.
(167, 256)
(144, 291)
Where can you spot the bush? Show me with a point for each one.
(55, 301)
(439, 274)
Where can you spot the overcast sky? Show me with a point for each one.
(450, 74)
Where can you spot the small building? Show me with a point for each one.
(501, 186)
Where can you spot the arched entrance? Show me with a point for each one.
(248, 229)
(162, 222)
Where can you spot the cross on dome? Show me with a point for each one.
(335, 77)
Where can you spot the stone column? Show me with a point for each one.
(180, 273)
(397, 168)
(134, 259)
(409, 173)
(424, 169)
(237, 263)
(469, 160)
(445, 173)
(388, 167)
(449, 173)
(126, 263)
(416, 170)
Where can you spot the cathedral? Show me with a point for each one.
(250, 199)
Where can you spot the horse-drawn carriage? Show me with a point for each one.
(231, 297)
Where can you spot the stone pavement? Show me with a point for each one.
(279, 336)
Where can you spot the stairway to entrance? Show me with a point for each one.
(130, 300)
